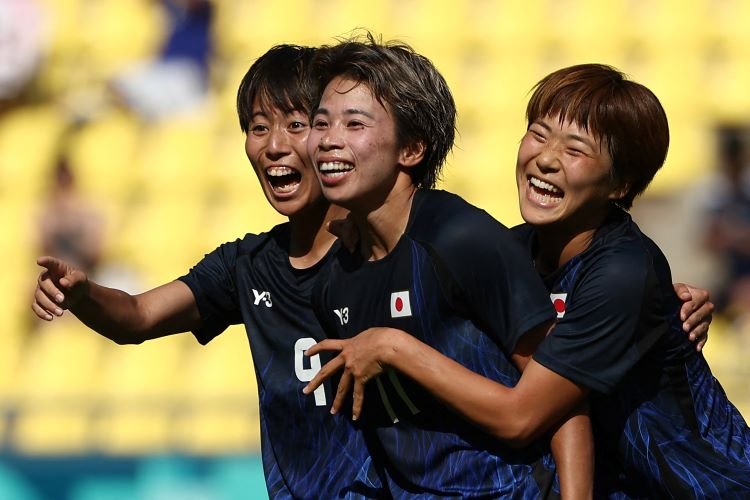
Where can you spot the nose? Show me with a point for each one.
(278, 144)
(330, 139)
(548, 159)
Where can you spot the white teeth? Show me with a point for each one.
(543, 185)
(279, 171)
(335, 166)
(288, 188)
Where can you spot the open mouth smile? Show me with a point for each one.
(283, 179)
(543, 192)
(332, 171)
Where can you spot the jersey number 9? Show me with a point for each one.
(307, 374)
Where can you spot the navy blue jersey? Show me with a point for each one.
(663, 426)
(307, 452)
(458, 281)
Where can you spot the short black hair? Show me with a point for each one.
(279, 79)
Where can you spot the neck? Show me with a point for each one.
(380, 229)
(559, 243)
(309, 239)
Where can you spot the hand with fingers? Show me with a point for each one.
(696, 313)
(360, 359)
(59, 286)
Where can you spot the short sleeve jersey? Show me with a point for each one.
(663, 426)
(307, 452)
(458, 281)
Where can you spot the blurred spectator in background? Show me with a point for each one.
(177, 79)
(727, 232)
(69, 227)
(21, 47)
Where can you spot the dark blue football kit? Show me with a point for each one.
(307, 452)
(459, 282)
(663, 426)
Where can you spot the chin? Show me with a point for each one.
(535, 218)
(336, 198)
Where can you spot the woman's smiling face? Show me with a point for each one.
(563, 173)
(354, 146)
(276, 145)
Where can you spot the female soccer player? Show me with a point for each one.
(263, 281)
(663, 426)
(383, 127)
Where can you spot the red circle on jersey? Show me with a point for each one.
(559, 305)
(399, 304)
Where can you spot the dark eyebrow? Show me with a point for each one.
(353, 111)
(350, 111)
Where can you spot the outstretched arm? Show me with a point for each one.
(117, 315)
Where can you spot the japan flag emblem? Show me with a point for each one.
(400, 305)
(558, 301)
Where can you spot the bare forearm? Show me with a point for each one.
(513, 415)
(111, 313)
(573, 449)
(132, 319)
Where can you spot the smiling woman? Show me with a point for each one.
(594, 142)
(263, 281)
(354, 144)
(564, 180)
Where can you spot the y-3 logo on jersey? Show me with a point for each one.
(343, 315)
(264, 297)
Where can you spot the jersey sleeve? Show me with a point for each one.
(503, 289)
(610, 322)
(490, 275)
(212, 281)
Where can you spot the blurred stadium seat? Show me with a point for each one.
(28, 147)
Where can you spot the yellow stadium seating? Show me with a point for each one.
(218, 394)
(115, 34)
(133, 430)
(52, 430)
(62, 360)
(103, 155)
(29, 139)
(217, 430)
(222, 370)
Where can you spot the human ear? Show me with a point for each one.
(412, 154)
(619, 192)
